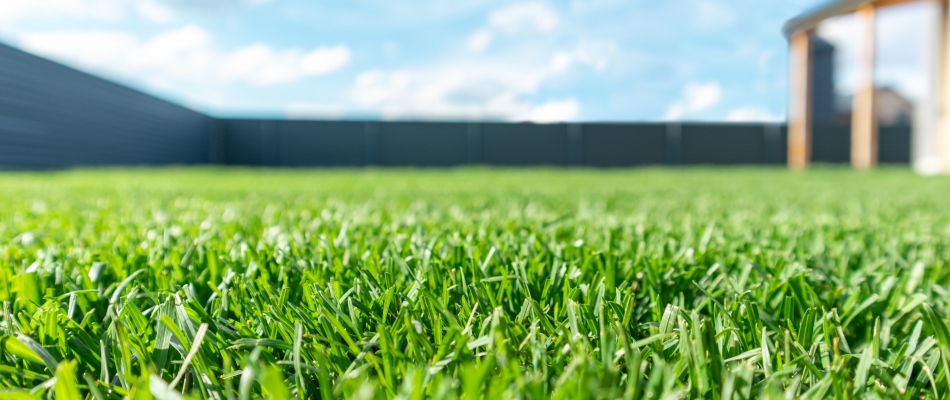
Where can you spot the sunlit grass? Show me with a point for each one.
(239, 284)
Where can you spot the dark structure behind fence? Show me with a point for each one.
(53, 116)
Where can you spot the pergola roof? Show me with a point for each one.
(811, 19)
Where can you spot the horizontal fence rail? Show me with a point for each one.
(53, 116)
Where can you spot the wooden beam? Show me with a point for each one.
(810, 20)
(863, 114)
(800, 100)
(887, 3)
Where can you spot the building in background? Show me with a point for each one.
(892, 109)
(824, 108)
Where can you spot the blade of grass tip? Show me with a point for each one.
(298, 369)
(163, 335)
(632, 360)
(861, 375)
(16, 394)
(104, 360)
(161, 390)
(927, 375)
(246, 383)
(658, 337)
(93, 387)
(766, 355)
(323, 375)
(724, 311)
(8, 318)
(195, 345)
(27, 348)
(942, 334)
(484, 266)
(118, 290)
(66, 386)
(43, 387)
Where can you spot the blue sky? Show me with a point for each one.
(587, 60)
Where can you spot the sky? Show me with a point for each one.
(545, 61)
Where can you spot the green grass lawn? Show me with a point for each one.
(696, 283)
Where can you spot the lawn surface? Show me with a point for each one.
(240, 284)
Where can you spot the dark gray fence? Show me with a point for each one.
(832, 144)
(434, 144)
(52, 116)
(353, 143)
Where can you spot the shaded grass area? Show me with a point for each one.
(699, 283)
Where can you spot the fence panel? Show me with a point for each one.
(53, 116)
(524, 144)
(782, 145)
(894, 144)
(622, 145)
(435, 144)
(321, 143)
(831, 144)
(243, 142)
(723, 144)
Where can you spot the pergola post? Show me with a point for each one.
(864, 132)
(943, 89)
(925, 156)
(800, 100)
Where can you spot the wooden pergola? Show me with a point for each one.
(930, 128)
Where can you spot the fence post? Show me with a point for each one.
(371, 143)
(474, 143)
(674, 143)
(575, 145)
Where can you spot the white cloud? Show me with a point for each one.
(487, 88)
(587, 6)
(696, 97)
(675, 111)
(498, 90)
(325, 60)
(458, 92)
(538, 16)
(709, 15)
(184, 54)
(595, 55)
(155, 11)
(555, 111)
(13, 10)
(513, 19)
(751, 114)
(314, 111)
(160, 11)
(700, 96)
(479, 41)
(517, 17)
(86, 47)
